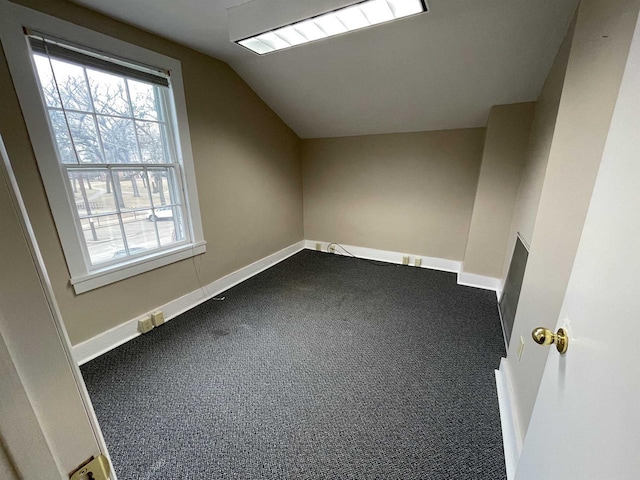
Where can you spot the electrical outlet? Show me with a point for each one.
(520, 348)
(331, 249)
(145, 325)
(319, 247)
(405, 260)
(418, 262)
(157, 318)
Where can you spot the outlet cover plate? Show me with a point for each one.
(157, 318)
(145, 325)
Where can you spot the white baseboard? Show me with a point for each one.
(433, 263)
(102, 343)
(480, 281)
(511, 438)
(388, 256)
(500, 288)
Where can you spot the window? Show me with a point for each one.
(114, 143)
(115, 160)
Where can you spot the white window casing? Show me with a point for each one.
(15, 20)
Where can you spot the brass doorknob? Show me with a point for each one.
(544, 336)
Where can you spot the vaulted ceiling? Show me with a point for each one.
(439, 70)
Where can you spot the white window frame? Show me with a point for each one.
(13, 19)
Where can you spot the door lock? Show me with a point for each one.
(544, 336)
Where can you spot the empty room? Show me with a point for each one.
(329, 239)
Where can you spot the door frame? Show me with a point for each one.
(21, 437)
(13, 384)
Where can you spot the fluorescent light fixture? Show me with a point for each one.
(337, 22)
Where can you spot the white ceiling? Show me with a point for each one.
(439, 70)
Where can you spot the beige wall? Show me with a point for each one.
(248, 171)
(409, 192)
(6, 468)
(535, 167)
(597, 59)
(505, 148)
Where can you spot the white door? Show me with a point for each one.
(47, 425)
(586, 421)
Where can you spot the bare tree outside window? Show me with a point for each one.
(114, 141)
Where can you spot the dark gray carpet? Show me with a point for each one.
(322, 367)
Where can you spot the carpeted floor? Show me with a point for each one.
(322, 367)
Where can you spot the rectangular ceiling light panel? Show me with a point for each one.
(337, 22)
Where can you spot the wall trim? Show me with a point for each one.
(433, 263)
(114, 337)
(512, 440)
(480, 281)
(389, 256)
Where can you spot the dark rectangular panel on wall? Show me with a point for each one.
(511, 293)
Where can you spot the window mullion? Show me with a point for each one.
(118, 210)
(133, 119)
(95, 119)
(110, 115)
(124, 234)
(153, 210)
(64, 113)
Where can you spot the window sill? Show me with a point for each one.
(106, 276)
